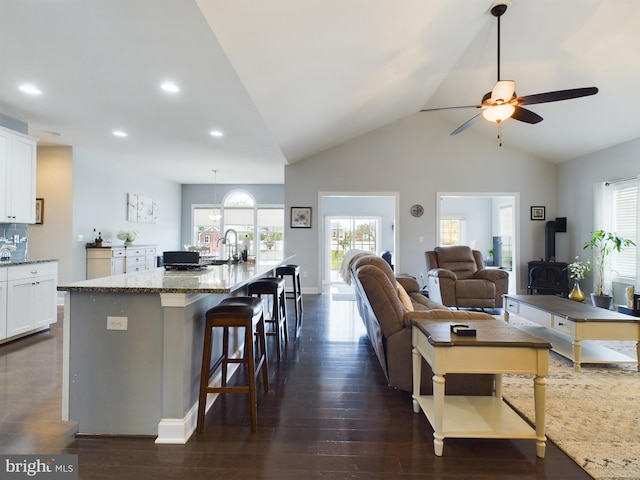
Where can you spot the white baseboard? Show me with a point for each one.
(177, 431)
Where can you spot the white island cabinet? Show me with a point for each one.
(17, 177)
(28, 298)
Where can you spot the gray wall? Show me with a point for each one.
(83, 191)
(417, 157)
(576, 180)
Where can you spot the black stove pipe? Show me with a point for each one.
(550, 229)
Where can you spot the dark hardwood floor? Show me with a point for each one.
(328, 415)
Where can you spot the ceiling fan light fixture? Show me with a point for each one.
(503, 92)
(499, 113)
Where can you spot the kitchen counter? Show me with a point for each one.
(211, 279)
(11, 263)
(132, 348)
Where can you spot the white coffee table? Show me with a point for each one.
(571, 326)
(498, 348)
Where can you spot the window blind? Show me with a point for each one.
(625, 223)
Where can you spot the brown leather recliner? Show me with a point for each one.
(457, 278)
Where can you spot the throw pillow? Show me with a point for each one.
(404, 298)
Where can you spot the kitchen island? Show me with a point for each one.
(133, 347)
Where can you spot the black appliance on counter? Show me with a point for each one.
(181, 260)
(548, 277)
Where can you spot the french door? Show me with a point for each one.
(344, 234)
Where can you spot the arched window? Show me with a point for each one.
(239, 213)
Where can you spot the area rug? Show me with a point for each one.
(592, 415)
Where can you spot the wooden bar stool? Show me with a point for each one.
(273, 288)
(244, 312)
(296, 294)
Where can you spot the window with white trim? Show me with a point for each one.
(620, 215)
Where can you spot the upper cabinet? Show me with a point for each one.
(18, 179)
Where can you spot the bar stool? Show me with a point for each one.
(296, 295)
(274, 288)
(245, 312)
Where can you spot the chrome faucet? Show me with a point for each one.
(225, 240)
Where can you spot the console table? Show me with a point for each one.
(569, 326)
(498, 348)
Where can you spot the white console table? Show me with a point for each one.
(570, 326)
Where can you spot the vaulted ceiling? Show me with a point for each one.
(286, 79)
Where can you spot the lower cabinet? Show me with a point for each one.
(107, 261)
(31, 297)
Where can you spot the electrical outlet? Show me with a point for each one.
(304, 274)
(117, 323)
(80, 237)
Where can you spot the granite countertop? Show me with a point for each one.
(11, 263)
(211, 279)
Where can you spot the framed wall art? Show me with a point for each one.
(537, 213)
(39, 211)
(300, 217)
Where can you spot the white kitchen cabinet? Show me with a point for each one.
(136, 260)
(107, 260)
(3, 303)
(31, 297)
(18, 179)
(151, 255)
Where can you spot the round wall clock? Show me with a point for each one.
(417, 210)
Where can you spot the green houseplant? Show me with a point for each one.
(603, 243)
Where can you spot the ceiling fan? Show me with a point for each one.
(502, 102)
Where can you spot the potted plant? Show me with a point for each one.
(489, 261)
(577, 271)
(603, 243)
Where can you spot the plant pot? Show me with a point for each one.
(602, 301)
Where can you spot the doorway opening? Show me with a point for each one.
(362, 221)
(487, 222)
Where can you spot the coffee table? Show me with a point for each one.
(571, 326)
(498, 348)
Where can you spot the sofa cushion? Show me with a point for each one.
(458, 259)
(382, 295)
(404, 298)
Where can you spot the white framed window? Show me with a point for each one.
(453, 231)
(260, 227)
(618, 212)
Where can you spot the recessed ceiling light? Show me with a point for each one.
(216, 133)
(30, 89)
(119, 133)
(170, 87)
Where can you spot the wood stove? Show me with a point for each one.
(548, 277)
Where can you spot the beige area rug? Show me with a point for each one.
(592, 415)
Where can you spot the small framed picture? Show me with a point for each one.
(537, 213)
(300, 217)
(39, 211)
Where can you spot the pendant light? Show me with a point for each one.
(215, 216)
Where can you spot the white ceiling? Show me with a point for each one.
(285, 79)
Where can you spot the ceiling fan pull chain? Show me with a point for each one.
(500, 133)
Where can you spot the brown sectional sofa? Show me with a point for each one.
(388, 322)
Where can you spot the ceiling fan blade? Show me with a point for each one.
(526, 116)
(556, 96)
(450, 108)
(466, 124)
